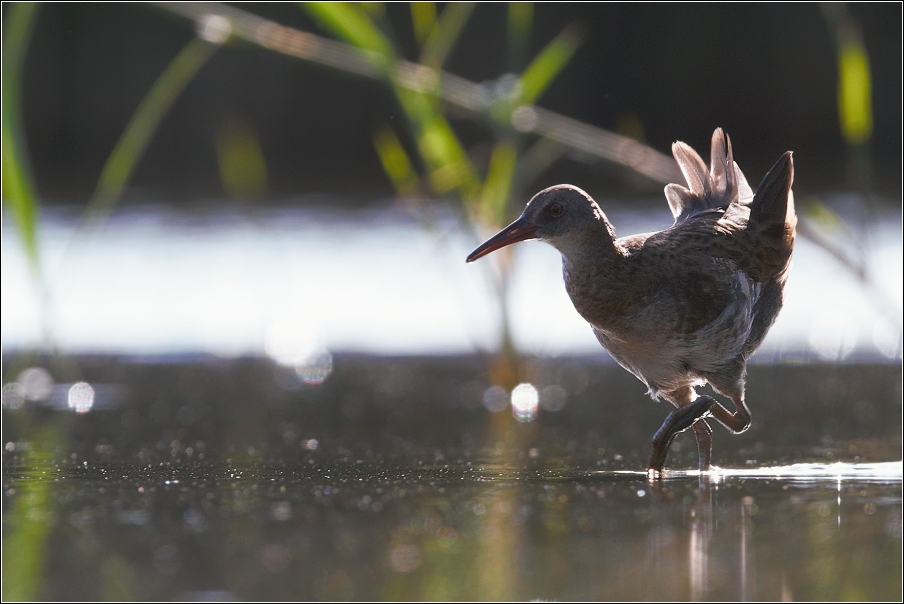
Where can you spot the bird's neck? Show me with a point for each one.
(594, 270)
(591, 266)
(593, 245)
(592, 249)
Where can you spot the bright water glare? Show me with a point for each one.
(291, 282)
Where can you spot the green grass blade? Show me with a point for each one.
(446, 33)
(450, 167)
(423, 20)
(854, 92)
(395, 161)
(520, 19)
(548, 64)
(351, 23)
(447, 163)
(25, 543)
(19, 190)
(144, 123)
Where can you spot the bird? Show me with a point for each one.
(686, 306)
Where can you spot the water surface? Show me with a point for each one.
(393, 479)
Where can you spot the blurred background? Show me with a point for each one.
(658, 73)
(199, 185)
(244, 358)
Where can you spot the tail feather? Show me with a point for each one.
(692, 167)
(773, 202)
(772, 224)
(745, 193)
(721, 169)
(723, 185)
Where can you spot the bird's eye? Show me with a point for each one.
(555, 209)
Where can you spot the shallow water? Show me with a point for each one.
(471, 533)
(392, 480)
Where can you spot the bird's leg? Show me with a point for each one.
(733, 388)
(704, 435)
(738, 421)
(677, 421)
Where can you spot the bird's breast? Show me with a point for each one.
(596, 294)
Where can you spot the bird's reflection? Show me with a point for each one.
(702, 537)
(748, 569)
(699, 545)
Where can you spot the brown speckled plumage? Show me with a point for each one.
(684, 306)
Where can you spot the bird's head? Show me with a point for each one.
(564, 216)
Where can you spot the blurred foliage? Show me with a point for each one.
(27, 525)
(520, 19)
(243, 170)
(428, 159)
(443, 32)
(30, 521)
(441, 166)
(819, 223)
(143, 125)
(855, 110)
(354, 24)
(446, 168)
(19, 190)
(395, 162)
(854, 93)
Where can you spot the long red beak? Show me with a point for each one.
(519, 230)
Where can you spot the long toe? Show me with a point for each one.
(687, 415)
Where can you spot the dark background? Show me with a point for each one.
(765, 73)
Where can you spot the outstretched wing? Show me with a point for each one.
(717, 189)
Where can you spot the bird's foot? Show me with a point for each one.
(677, 421)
